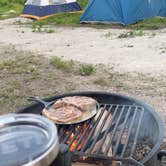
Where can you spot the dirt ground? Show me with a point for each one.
(137, 55)
(144, 54)
(133, 65)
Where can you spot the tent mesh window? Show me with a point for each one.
(54, 2)
(33, 2)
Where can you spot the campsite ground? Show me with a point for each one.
(130, 62)
(127, 51)
(126, 61)
(133, 62)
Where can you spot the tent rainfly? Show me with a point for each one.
(41, 9)
(122, 11)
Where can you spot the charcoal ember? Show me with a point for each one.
(141, 150)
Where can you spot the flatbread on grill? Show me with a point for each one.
(73, 109)
(63, 114)
(82, 102)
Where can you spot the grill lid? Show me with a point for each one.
(24, 138)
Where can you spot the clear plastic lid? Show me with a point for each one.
(24, 137)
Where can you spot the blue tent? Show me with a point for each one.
(41, 9)
(122, 11)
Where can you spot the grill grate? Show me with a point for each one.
(113, 133)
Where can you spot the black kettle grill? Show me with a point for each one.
(132, 130)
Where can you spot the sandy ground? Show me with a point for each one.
(143, 54)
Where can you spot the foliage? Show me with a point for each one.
(132, 33)
(152, 23)
(11, 2)
(62, 64)
(86, 69)
(70, 66)
(10, 8)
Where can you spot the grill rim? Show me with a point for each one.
(159, 121)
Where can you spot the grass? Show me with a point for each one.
(24, 74)
(39, 28)
(71, 67)
(86, 70)
(62, 64)
(152, 23)
(132, 33)
(19, 65)
(10, 8)
(60, 19)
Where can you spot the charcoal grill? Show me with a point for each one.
(124, 131)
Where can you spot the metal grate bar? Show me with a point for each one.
(137, 133)
(121, 132)
(130, 129)
(92, 131)
(106, 132)
(135, 162)
(83, 135)
(99, 130)
(114, 131)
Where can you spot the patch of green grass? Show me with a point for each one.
(61, 19)
(132, 33)
(19, 65)
(70, 66)
(151, 23)
(36, 28)
(10, 8)
(9, 2)
(48, 30)
(40, 28)
(62, 64)
(86, 69)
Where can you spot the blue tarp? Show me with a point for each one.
(123, 11)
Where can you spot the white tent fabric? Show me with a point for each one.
(47, 2)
